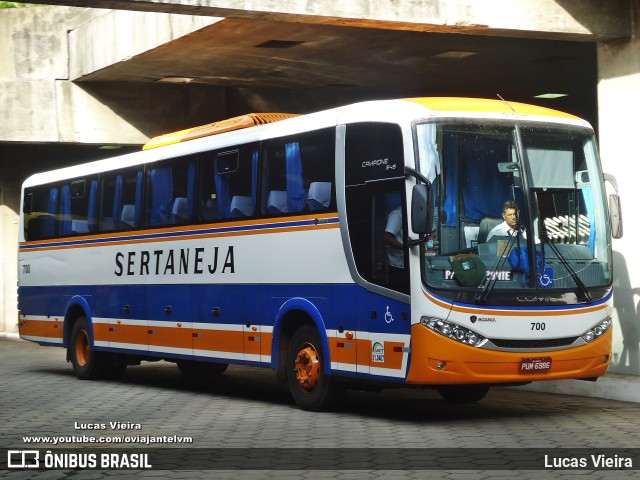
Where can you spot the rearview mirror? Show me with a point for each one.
(615, 215)
(421, 209)
(615, 208)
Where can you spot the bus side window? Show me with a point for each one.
(298, 173)
(40, 220)
(207, 197)
(78, 204)
(231, 186)
(171, 187)
(120, 200)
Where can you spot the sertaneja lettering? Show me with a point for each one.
(184, 261)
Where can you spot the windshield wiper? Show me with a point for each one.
(493, 277)
(583, 293)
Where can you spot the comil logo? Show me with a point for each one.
(23, 459)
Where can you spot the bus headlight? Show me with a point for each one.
(597, 331)
(453, 331)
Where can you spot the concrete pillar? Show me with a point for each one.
(9, 210)
(618, 105)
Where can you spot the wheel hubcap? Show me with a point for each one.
(82, 348)
(307, 367)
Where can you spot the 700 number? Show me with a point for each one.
(538, 326)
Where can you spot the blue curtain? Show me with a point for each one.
(65, 210)
(450, 204)
(191, 188)
(222, 192)
(138, 208)
(117, 203)
(484, 190)
(587, 194)
(92, 209)
(49, 227)
(161, 196)
(474, 165)
(254, 177)
(295, 188)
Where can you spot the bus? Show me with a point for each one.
(263, 240)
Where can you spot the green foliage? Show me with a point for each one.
(12, 4)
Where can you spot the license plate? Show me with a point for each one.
(535, 365)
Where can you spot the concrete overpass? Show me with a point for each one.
(75, 79)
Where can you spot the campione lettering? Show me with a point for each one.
(183, 261)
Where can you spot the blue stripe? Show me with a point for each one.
(344, 305)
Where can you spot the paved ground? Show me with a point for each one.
(245, 426)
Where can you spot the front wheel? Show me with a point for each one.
(463, 393)
(311, 388)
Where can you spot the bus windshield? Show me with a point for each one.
(516, 208)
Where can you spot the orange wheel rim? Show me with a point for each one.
(307, 367)
(82, 348)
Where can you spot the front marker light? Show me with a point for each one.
(453, 331)
(597, 331)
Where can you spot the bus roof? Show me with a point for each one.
(459, 104)
(252, 127)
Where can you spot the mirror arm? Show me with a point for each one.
(607, 178)
(408, 171)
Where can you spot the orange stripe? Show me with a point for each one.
(341, 352)
(121, 333)
(218, 340)
(33, 328)
(532, 313)
(41, 328)
(190, 233)
(392, 357)
(361, 354)
(175, 337)
(515, 313)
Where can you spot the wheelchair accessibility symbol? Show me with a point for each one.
(388, 317)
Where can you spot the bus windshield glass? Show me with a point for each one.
(494, 184)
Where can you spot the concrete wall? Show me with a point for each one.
(41, 54)
(618, 105)
(9, 200)
(598, 19)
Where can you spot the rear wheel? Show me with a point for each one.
(312, 389)
(87, 363)
(463, 393)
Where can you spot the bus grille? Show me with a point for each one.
(524, 344)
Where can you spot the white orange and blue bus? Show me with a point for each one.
(260, 240)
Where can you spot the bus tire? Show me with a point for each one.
(311, 388)
(463, 393)
(87, 363)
